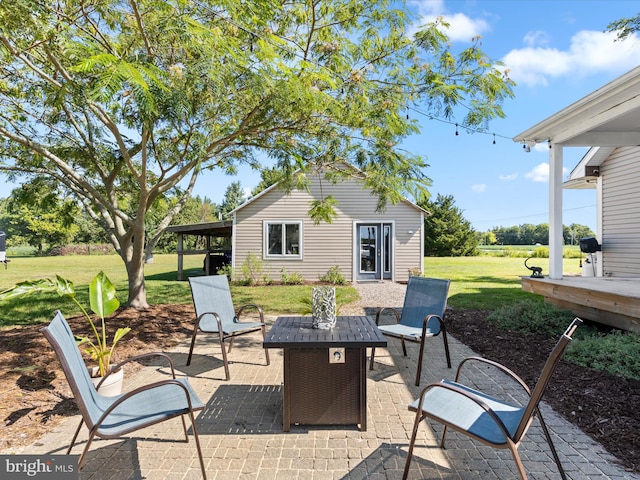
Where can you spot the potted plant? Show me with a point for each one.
(102, 302)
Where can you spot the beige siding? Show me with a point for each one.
(326, 245)
(621, 213)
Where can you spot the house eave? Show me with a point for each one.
(582, 123)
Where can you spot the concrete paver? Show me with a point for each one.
(241, 428)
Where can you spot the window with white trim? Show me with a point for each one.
(282, 239)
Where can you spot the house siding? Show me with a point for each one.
(621, 213)
(326, 245)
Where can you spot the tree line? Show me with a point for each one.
(448, 233)
(528, 234)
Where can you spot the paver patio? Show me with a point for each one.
(242, 438)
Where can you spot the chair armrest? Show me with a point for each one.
(464, 393)
(249, 305)
(497, 365)
(140, 357)
(426, 321)
(383, 309)
(134, 392)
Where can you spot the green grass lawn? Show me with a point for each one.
(476, 282)
(487, 282)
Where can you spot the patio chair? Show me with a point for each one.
(215, 314)
(422, 317)
(113, 417)
(494, 422)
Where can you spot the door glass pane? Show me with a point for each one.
(387, 248)
(275, 239)
(368, 248)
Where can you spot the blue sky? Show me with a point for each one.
(556, 52)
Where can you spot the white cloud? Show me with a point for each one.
(479, 188)
(538, 37)
(590, 52)
(540, 173)
(461, 27)
(509, 177)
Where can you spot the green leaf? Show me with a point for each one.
(64, 287)
(102, 296)
(28, 287)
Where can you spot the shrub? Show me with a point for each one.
(252, 270)
(99, 249)
(415, 272)
(617, 353)
(333, 276)
(292, 278)
(530, 316)
(541, 252)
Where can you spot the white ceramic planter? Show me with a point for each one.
(112, 385)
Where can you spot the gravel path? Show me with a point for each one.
(374, 295)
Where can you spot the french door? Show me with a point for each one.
(374, 251)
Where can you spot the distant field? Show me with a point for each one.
(483, 282)
(568, 251)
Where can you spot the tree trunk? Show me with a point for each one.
(135, 273)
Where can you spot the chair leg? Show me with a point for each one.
(266, 350)
(444, 434)
(551, 445)
(81, 460)
(416, 424)
(184, 427)
(75, 436)
(197, 439)
(224, 356)
(516, 457)
(373, 354)
(193, 342)
(446, 345)
(420, 357)
(404, 347)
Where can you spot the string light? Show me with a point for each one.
(469, 129)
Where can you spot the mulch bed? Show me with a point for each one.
(34, 396)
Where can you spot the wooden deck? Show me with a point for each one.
(608, 300)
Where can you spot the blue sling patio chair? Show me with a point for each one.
(489, 420)
(113, 417)
(422, 317)
(215, 314)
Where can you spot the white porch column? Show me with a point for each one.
(555, 211)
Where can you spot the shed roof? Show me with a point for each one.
(216, 229)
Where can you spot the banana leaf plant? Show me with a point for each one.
(102, 302)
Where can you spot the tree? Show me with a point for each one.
(625, 26)
(446, 232)
(125, 103)
(38, 214)
(233, 198)
(574, 232)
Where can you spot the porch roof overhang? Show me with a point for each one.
(608, 117)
